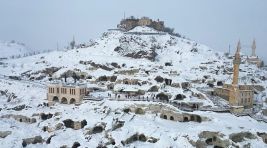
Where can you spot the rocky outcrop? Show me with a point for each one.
(34, 140)
(211, 139)
(4, 134)
(263, 136)
(20, 118)
(185, 85)
(98, 128)
(44, 116)
(139, 111)
(139, 137)
(242, 136)
(74, 124)
(117, 124)
(19, 107)
(75, 145)
(95, 65)
(159, 79)
(153, 89)
(179, 97)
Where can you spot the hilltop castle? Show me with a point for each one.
(132, 22)
(239, 96)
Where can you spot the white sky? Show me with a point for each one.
(216, 23)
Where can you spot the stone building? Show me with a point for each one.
(66, 93)
(237, 95)
(130, 23)
(180, 117)
(254, 59)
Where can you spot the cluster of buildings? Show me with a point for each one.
(239, 96)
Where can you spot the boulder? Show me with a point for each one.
(159, 79)
(34, 140)
(4, 134)
(139, 111)
(153, 89)
(75, 145)
(242, 136)
(44, 116)
(139, 137)
(117, 124)
(98, 128)
(179, 97)
(185, 85)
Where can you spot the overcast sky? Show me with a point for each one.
(216, 23)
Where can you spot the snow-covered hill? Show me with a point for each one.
(13, 49)
(144, 56)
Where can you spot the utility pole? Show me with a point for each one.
(229, 50)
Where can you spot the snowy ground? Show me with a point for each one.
(191, 61)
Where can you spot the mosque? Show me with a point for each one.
(240, 96)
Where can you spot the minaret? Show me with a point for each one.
(236, 62)
(253, 47)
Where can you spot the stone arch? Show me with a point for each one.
(209, 141)
(162, 97)
(64, 100)
(192, 118)
(186, 119)
(126, 82)
(165, 117)
(55, 99)
(195, 106)
(199, 119)
(72, 101)
(180, 97)
(171, 118)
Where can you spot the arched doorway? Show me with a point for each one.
(171, 118)
(64, 100)
(192, 118)
(72, 101)
(195, 106)
(165, 116)
(186, 119)
(199, 119)
(55, 99)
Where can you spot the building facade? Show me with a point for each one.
(237, 95)
(66, 93)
